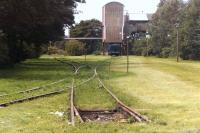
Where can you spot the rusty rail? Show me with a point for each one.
(73, 110)
(138, 117)
(30, 98)
(78, 114)
(34, 88)
(72, 103)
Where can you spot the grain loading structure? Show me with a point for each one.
(113, 23)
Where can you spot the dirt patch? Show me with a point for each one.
(116, 115)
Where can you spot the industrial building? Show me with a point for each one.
(117, 25)
(137, 23)
(113, 22)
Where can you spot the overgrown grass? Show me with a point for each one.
(93, 96)
(32, 73)
(165, 91)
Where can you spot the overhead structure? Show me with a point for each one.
(83, 38)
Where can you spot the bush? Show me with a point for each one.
(190, 51)
(53, 50)
(144, 52)
(14, 52)
(165, 52)
(97, 52)
(74, 48)
(139, 47)
(30, 51)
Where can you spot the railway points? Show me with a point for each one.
(119, 112)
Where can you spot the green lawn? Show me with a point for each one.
(165, 91)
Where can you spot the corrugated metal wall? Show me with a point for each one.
(113, 22)
(137, 26)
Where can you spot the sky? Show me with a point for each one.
(93, 8)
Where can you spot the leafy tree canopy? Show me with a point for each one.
(170, 17)
(88, 28)
(163, 26)
(33, 22)
(190, 48)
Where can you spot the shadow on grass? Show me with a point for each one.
(40, 69)
(50, 69)
(131, 65)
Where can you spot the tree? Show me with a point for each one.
(4, 58)
(162, 2)
(190, 48)
(88, 28)
(163, 28)
(30, 23)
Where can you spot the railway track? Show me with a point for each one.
(31, 98)
(84, 114)
(35, 88)
(137, 116)
(23, 94)
(31, 94)
(73, 109)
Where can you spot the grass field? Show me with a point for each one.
(165, 91)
